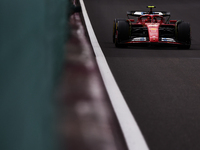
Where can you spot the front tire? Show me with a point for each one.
(115, 26)
(122, 31)
(183, 35)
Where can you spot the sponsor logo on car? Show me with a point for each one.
(168, 40)
(139, 39)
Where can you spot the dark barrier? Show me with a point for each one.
(87, 120)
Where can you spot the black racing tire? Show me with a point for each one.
(114, 26)
(123, 33)
(184, 35)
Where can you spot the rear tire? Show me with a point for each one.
(183, 35)
(122, 31)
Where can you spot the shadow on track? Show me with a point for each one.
(150, 51)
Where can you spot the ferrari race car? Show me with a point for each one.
(151, 28)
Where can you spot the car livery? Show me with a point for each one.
(151, 28)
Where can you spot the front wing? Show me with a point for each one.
(144, 40)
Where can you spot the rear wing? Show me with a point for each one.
(140, 13)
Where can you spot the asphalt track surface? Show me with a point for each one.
(161, 85)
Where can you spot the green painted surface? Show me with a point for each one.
(32, 36)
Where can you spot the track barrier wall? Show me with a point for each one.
(36, 111)
(32, 36)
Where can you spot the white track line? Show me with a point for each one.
(130, 129)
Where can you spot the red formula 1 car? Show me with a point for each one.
(151, 28)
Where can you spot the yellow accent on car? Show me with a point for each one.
(151, 6)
